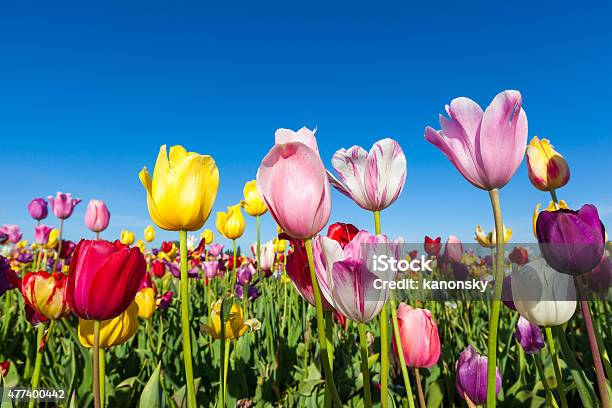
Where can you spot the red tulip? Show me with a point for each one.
(342, 233)
(103, 279)
(158, 268)
(4, 368)
(519, 256)
(433, 246)
(166, 246)
(46, 293)
(419, 337)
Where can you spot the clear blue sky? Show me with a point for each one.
(89, 91)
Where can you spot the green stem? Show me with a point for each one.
(102, 377)
(329, 339)
(96, 365)
(329, 379)
(417, 379)
(550, 400)
(258, 250)
(495, 309)
(400, 350)
(59, 246)
(233, 279)
(363, 343)
(553, 355)
(384, 338)
(37, 365)
(191, 396)
(225, 366)
(222, 365)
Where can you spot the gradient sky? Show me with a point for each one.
(89, 91)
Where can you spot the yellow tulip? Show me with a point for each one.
(149, 233)
(207, 236)
(53, 238)
(231, 224)
(490, 240)
(547, 169)
(280, 245)
(22, 244)
(113, 331)
(551, 207)
(235, 326)
(140, 244)
(253, 204)
(127, 237)
(183, 189)
(145, 298)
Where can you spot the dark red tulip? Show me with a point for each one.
(166, 246)
(342, 233)
(67, 249)
(8, 277)
(158, 268)
(519, 256)
(600, 278)
(432, 246)
(4, 368)
(103, 278)
(32, 316)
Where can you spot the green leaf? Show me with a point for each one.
(435, 397)
(151, 394)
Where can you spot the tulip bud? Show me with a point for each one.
(63, 204)
(432, 246)
(253, 204)
(53, 238)
(38, 209)
(542, 295)
(140, 245)
(4, 368)
(41, 234)
(46, 293)
(529, 336)
(547, 169)
(113, 332)
(266, 257)
(471, 376)
(127, 237)
(145, 298)
(231, 224)
(453, 249)
(149, 233)
(97, 216)
(519, 256)
(280, 245)
(235, 325)
(419, 337)
(207, 236)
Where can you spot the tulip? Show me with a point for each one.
(113, 332)
(374, 179)
(294, 185)
(67, 249)
(127, 237)
(33, 317)
(145, 298)
(280, 245)
(215, 250)
(207, 236)
(547, 169)
(490, 240)
(8, 278)
(253, 292)
(235, 326)
(97, 216)
(4, 368)
(244, 274)
(519, 256)
(46, 293)
(53, 239)
(253, 204)
(12, 232)
(158, 268)
(542, 295)
(453, 249)
(169, 248)
(342, 233)
(149, 233)
(486, 147)
(529, 336)
(103, 279)
(63, 204)
(471, 376)
(551, 207)
(600, 278)
(211, 269)
(231, 224)
(41, 234)
(164, 301)
(266, 258)
(183, 189)
(3, 237)
(419, 337)
(572, 242)
(140, 244)
(38, 209)
(432, 246)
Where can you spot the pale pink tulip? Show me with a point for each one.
(419, 336)
(486, 147)
(373, 180)
(97, 216)
(453, 249)
(293, 183)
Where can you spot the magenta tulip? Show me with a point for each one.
(63, 204)
(419, 337)
(97, 216)
(486, 147)
(293, 183)
(41, 234)
(38, 209)
(12, 232)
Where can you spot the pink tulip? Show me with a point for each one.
(41, 234)
(373, 180)
(453, 249)
(346, 276)
(293, 183)
(97, 216)
(486, 147)
(419, 336)
(12, 232)
(63, 204)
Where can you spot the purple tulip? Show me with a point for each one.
(244, 274)
(600, 278)
(471, 376)
(165, 300)
(41, 234)
(253, 291)
(507, 293)
(38, 209)
(8, 277)
(215, 250)
(12, 231)
(25, 257)
(460, 271)
(529, 336)
(572, 242)
(63, 204)
(211, 269)
(486, 147)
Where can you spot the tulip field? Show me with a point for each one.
(321, 313)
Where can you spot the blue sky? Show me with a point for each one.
(88, 93)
